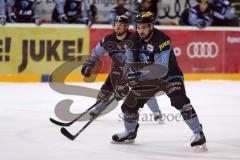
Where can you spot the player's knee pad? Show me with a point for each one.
(130, 114)
(188, 112)
(128, 108)
(179, 100)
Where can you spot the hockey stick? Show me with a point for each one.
(74, 120)
(103, 106)
(70, 136)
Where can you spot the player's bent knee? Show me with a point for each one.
(130, 114)
(127, 108)
(178, 101)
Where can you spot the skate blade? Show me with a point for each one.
(131, 141)
(200, 148)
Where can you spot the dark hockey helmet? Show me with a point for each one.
(202, 1)
(144, 17)
(122, 19)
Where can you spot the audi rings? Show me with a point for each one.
(202, 50)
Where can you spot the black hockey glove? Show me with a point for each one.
(86, 70)
(88, 66)
(133, 78)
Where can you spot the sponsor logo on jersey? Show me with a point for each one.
(164, 44)
(150, 47)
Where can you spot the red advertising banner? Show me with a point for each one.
(197, 51)
(96, 35)
(232, 52)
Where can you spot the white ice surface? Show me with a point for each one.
(27, 134)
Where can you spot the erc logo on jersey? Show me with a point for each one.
(150, 47)
(164, 44)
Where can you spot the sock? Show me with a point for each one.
(194, 125)
(153, 105)
(129, 127)
(190, 117)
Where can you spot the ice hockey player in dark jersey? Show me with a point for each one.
(114, 44)
(157, 70)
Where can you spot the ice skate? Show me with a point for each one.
(199, 142)
(125, 137)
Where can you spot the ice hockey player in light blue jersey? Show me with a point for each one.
(113, 44)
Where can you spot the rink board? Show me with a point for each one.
(32, 54)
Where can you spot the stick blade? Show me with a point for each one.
(65, 132)
(58, 123)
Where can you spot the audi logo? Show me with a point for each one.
(202, 50)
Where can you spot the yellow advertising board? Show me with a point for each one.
(35, 51)
(30, 53)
